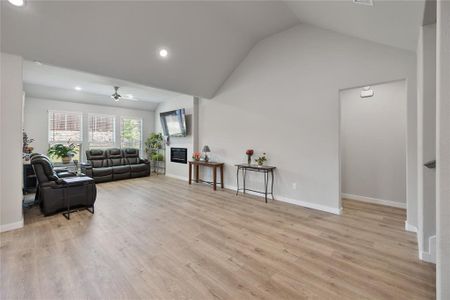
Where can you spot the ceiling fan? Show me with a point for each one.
(117, 97)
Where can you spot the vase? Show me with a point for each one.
(249, 159)
(66, 159)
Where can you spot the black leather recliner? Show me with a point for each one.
(54, 194)
(115, 164)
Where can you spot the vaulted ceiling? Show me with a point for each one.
(206, 40)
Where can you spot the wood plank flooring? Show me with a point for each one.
(159, 238)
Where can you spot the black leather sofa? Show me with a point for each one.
(53, 193)
(115, 164)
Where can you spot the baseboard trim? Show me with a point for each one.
(410, 228)
(374, 200)
(328, 209)
(429, 256)
(176, 177)
(11, 226)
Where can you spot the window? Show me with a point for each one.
(101, 131)
(131, 133)
(64, 127)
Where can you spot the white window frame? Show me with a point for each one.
(113, 144)
(80, 142)
(66, 112)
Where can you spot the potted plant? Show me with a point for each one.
(261, 160)
(154, 143)
(157, 157)
(64, 152)
(196, 156)
(26, 143)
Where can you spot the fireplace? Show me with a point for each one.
(178, 155)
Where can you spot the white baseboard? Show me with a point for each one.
(410, 228)
(11, 226)
(429, 256)
(329, 209)
(374, 200)
(176, 177)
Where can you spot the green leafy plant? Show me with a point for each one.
(261, 159)
(62, 151)
(157, 157)
(154, 143)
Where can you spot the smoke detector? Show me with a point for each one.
(364, 2)
(366, 92)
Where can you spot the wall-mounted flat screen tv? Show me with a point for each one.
(173, 122)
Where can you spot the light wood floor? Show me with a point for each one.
(159, 238)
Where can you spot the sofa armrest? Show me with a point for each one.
(60, 169)
(143, 161)
(86, 168)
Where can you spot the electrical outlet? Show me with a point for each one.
(294, 185)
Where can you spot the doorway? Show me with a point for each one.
(373, 143)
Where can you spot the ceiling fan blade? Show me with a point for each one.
(130, 99)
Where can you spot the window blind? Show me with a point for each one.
(101, 131)
(64, 126)
(131, 133)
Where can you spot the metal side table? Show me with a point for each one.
(266, 170)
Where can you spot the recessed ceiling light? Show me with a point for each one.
(38, 62)
(163, 52)
(17, 2)
(78, 88)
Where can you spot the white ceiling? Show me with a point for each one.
(390, 22)
(206, 39)
(120, 39)
(49, 82)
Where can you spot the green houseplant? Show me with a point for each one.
(261, 159)
(65, 152)
(154, 143)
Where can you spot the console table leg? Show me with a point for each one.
(214, 178)
(244, 173)
(271, 189)
(221, 176)
(190, 173)
(266, 179)
(237, 181)
(197, 168)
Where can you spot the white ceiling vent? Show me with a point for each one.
(364, 2)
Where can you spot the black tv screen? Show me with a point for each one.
(173, 122)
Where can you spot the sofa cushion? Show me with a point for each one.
(139, 168)
(101, 171)
(121, 169)
(115, 157)
(131, 155)
(97, 158)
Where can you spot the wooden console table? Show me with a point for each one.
(209, 164)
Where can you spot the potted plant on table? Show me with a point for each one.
(196, 156)
(261, 160)
(65, 152)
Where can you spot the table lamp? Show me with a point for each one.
(206, 150)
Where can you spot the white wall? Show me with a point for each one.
(11, 104)
(36, 120)
(373, 144)
(426, 141)
(443, 151)
(177, 170)
(284, 99)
